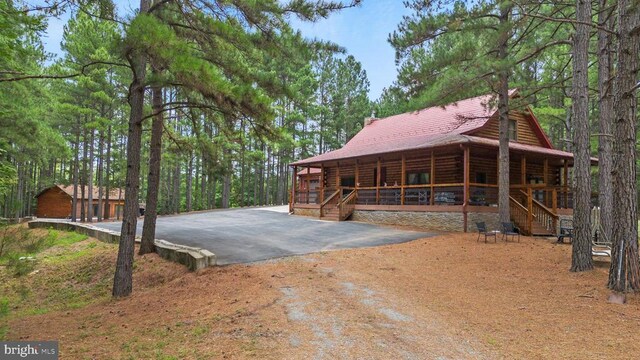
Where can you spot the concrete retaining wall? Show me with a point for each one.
(193, 258)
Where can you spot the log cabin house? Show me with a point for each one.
(56, 202)
(436, 168)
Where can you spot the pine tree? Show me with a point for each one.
(581, 244)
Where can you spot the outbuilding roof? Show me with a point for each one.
(114, 193)
(450, 124)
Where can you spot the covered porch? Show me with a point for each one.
(460, 181)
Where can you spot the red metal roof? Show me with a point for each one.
(431, 127)
(312, 171)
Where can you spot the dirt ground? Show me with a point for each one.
(446, 297)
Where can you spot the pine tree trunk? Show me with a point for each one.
(176, 188)
(153, 179)
(203, 185)
(503, 126)
(214, 192)
(242, 163)
(107, 211)
(76, 166)
(189, 185)
(19, 189)
(123, 278)
(90, 179)
(581, 244)
(605, 188)
(83, 180)
(624, 273)
(256, 179)
(100, 175)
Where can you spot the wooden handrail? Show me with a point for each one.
(517, 203)
(520, 215)
(327, 200)
(546, 209)
(347, 205)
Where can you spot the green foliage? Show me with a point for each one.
(20, 248)
(8, 176)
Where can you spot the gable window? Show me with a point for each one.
(513, 130)
(417, 178)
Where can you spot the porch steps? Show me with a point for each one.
(539, 230)
(332, 214)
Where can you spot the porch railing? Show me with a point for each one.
(347, 205)
(544, 216)
(520, 215)
(549, 199)
(330, 201)
(307, 197)
(411, 195)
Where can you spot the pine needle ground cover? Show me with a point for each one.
(446, 296)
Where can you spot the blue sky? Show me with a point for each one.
(362, 31)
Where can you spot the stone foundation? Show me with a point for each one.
(443, 221)
(307, 212)
(492, 219)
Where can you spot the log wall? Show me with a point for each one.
(526, 135)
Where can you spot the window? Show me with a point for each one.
(481, 178)
(348, 181)
(513, 130)
(417, 178)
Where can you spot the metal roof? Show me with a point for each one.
(432, 127)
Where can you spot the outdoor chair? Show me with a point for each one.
(566, 230)
(482, 230)
(508, 229)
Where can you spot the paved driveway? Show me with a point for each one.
(248, 235)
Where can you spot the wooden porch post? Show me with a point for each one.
(402, 171)
(545, 170)
(465, 190)
(308, 182)
(523, 171)
(529, 209)
(554, 207)
(357, 174)
(433, 178)
(338, 175)
(498, 169)
(321, 183)
(294, 184)
(378, 183)
(566, 183)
